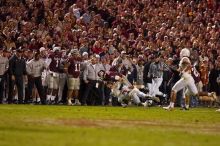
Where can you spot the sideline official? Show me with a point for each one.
(17, 72)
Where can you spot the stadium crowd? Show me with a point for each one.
(67, 51)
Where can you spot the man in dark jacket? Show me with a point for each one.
(147, 80)
(17, 70)
(214, 78)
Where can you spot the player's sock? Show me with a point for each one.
(187, 106)
(52, 98)
(38, 99)
(172, 104)
(48, 97)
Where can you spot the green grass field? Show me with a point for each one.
(28, 125)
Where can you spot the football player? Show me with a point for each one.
(53, 76)
(124, 91)
(73, 71)
(186, 81)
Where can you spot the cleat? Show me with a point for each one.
(52, 102)
(184, 108)
(69, 102)
(84, 104)
(154, 98)
(145, 104)
(213, 94)
(77, 103)
(164, 96)
(157, 99)
(60, 102)
(218, 110)
(124, 105)
(169, 108)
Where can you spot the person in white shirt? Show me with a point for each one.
(4, 64)
(35, 68)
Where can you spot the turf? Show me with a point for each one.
(28, 125)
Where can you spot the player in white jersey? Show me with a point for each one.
(186, 81)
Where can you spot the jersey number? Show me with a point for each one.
(77, 67)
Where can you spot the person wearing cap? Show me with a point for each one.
(62, 78)
(17, 72)
(28, 55)
(132, 74)
(156, 73)
(72, 68)
(106, 91)
(44, 56)
(90, 79)
(147, 79)
(35, 68)
(42, 51)
(100, 99)
(85, 55)
(84, 63)
(140, 70)
(4, 64)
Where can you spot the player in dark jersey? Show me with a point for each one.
(53, 76)
(73, 79)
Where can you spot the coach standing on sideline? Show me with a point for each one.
(17, 70)
(3, 68)
(35, 68)
(90, 78)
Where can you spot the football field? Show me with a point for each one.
(29, 125)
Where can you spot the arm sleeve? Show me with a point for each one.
(145, 72)
(48, 61)
(7, 65)
(85, 73)
(135, 73)
(11, 66)
(150, 71)
(25, 69)
(28, 68)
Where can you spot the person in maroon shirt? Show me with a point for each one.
(119, 68)
(53, 76)
(55, 60)
(72, 68)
